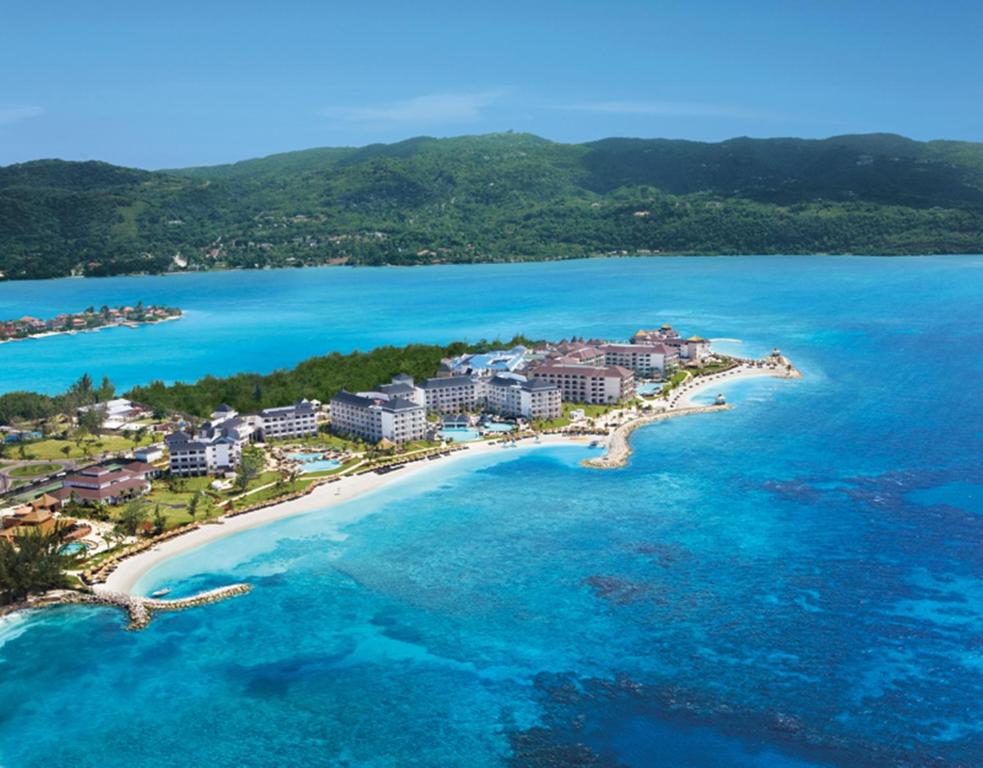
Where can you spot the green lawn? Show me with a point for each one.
(321, 442)
(89, 446)
(336, 471)
(34, 470)
(175, 500)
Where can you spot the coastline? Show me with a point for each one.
(617, 450)
(550, 259)
(683, 396)
(349, 487)
(48, 334)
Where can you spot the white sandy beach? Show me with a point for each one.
(349, 487)
(683, 397)
(131, 570)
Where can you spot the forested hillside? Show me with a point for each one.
(493, 198)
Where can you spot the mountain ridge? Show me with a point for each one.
(495, 197)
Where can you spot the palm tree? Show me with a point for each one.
(34, 562)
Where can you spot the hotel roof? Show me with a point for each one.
(606, 371)
(441, 382)
(644, 349)
(378, 399)
(301, 406)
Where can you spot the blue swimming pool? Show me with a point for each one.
(313, 462)
(492, 426)
(460, 434)
(73, 548)
(648, 388)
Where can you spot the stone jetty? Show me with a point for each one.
(142, 609)
(618, 448)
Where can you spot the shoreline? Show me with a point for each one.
(334, 493)
(49, 334)
(325, 496)
(682, 397)
(590, 257)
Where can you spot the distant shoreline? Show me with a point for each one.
(108, 326)
(503, 262)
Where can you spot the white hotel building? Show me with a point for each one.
(297, 420)
(374, 416)
(514, 395)
(646, 360)
(601, 385)
(216, 447)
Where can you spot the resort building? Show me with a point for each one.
(101, 484)
(578, 353)
(215, 448)
(694, 348)
(453, 394)
(297, 420)
(38, 515)
(589, 384)
(646, 360)
(485, 363)
(402, 385)
(376, 416)
(514, 395)
(149, 453)
(116, 414)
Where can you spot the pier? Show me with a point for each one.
(141, 609)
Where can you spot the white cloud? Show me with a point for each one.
(430, 109)
(11, 115)
(663, 109)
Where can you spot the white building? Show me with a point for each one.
(453, 394)
(694, 348)
(297, 420)
(149, 453)
(116, 413)
(516, 395)
(646, 360)
(216, 447)
(375, 416)
(486, 363)
(589, 384)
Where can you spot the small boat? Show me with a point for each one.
(161, 592)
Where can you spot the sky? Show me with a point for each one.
(162, 85)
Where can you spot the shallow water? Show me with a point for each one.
(796, 582)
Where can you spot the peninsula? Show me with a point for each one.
(116, 516)
(91, 319)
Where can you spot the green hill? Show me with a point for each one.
(494, 198)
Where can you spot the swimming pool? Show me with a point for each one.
(73, 548)
(648, 388)
(313, 462)
(493, 426)
(460, 434)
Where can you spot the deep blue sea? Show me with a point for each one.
(794, 583)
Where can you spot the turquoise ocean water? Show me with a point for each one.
(797, 582)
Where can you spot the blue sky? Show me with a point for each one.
(188, 83)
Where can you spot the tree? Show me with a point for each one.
(35, 562)
(160, 522)
(66, 449)
(193, 504)
(106, 390)
(250, 466)
(90, 420)
(131, 517)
